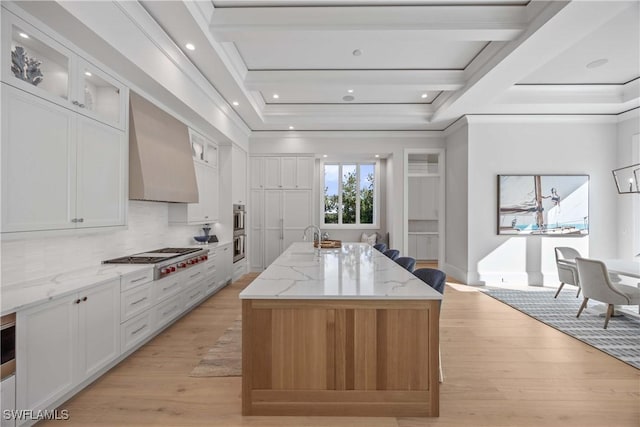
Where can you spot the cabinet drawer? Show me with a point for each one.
(167, 287)
(136, 330)
(210, 267)
(135, 301)
(193, 294)
(193, 276)
(211, 283)
(166, 311)
(136, 279)
(239, 268)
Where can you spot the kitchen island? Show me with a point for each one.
(339, 332)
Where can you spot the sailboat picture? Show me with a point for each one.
(553, 205)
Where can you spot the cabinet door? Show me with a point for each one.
(226, 263)
(239, 176)
(296, 213)
(256, 214)
(99, 328)
(23, 42)
(273, 225)
(256, 172)
(304, 172)
(434, 247)
(210, 194)
(432, 190)
(288, 172)
(46, 350)
(38, 163)
(100, 96)
(272, 178)
(101, 175)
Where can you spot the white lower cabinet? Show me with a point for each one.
(61, 342)
(8, 399)
(224, 254)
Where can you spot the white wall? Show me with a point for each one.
(628, 204)
(345, 145)
(456, 183)
(537, 145)
(36, 256)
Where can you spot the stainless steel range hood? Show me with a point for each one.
(160, 162)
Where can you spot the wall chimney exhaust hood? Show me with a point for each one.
(160, 162)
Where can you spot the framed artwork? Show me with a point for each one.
(549, 205)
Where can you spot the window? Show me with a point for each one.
(350, 195)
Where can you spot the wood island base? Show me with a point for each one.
(340, 357)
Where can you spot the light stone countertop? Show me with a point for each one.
(21, 295)
(355, 271)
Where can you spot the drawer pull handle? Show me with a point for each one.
(139, 301)
(173, 285)
(169, 311)
(139, 329)
(78, 301)
(84, 299)
(138, 279)
(194, 275)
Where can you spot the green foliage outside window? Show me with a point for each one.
(352, 191)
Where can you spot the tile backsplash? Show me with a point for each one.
(35, 257)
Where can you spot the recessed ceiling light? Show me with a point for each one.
(291, 128)
(24, 35)
(423, 96)
(87, 73)
(235, 103)
(357, 52)
(350, 90)
(190, 46)
(276, 96)
(325, 156)
(597, 63)
(348, 98)
(377, 156)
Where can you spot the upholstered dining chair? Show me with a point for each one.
(596, 284)
(381, 247)
(392, 253)
(436, 279)
(407, 263)
(567, 270)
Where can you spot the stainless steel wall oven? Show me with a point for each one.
(239, 233)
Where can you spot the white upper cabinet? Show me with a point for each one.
(205, 162)
(272, 178)
(305, 167)
(60, 170)
(239, 176)
(282, 172)
(36, 63)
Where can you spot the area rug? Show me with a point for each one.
(621, 339)
(224, 359)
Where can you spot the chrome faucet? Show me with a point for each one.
(315, 227)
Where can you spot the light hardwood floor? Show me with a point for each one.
(502, 368)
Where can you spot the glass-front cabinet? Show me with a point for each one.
(36, 63)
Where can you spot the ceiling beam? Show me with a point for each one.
(475, 23)
(557, 27)
(421, 79)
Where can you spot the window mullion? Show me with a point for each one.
(340, 193)
(357, 193)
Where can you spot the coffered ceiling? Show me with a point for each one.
(406, 64)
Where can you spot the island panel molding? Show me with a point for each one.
(373, 358)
